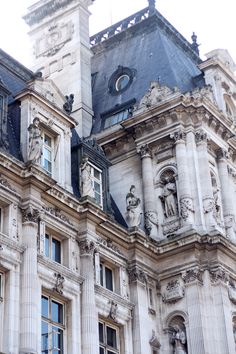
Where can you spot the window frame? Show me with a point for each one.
(52, 324)
(107, 349)
(103, 277)
(98, 181)
(52, 237)
(50, 149)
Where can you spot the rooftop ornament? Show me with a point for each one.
(194, 44)
(152, 6)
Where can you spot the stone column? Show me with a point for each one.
(89, 316)
(205, 180)
(227, 195)
(138, 296)
(184, 190)
(150, 214)
(29, 285)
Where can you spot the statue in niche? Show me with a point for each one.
(35, 141)
(168, 196)
(69, 103)
(133, 214)
(178, 340)
(217, 206)
(86, 179)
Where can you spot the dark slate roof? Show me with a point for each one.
(14, 77)
(151, 47)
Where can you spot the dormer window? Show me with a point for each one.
(229, 107)
(47, 153)
(4, 93)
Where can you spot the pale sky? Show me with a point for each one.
(212, 20)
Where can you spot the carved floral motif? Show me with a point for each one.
(178, 135)
(137, 274)
(186, 207)
(57, 213)
(109, 244)
(151, 220)
(219, 275)
(145, 151)
(208, 204)
(200, 136)
(30, 215)
(192, 275)
(87, 248)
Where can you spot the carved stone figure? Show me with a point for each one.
(133, 215)
(86, 179)
(178, 340)
(168, 197)
(217, 212)
(113, 311)
(69, 103)
(35, 141)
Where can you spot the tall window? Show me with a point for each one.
(47, 153)
(52, 248)
(52, 326)
(96, 175)
(108, 339)
(106, 277)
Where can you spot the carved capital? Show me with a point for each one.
(186, 207)
(222, 154)
(137, 275)
(200, 137)
(178, 136)
(145, 151)
(193, 275)
(87, 248)
(217, 275)
(30, 215)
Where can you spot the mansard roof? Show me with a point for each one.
(148, 45)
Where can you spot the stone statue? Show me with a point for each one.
(133, 214)
(178, 340)
(217, 212)
(86, 179)
(168, 197)
(69, 103)
(35, 141)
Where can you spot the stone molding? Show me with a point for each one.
(192, 276)
(137, 275)
(174, 292)
(30, 215)
(87, 247)
(57, 213)
(4, 182)
(108, 243)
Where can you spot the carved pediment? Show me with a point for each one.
(156, 94)
(49, 90)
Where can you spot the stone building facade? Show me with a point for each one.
(117, 194)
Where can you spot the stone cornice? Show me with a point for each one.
(111, 295)
(212, 62)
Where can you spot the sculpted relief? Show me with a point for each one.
(35, 142)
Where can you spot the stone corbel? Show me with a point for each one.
(193, 276)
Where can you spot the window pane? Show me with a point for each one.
(47, 140)
(44, 337)
(101, 336)
(46, 246)
(44, 304)
(101, 274)
(57, 340)
(111, 337)
(101, 351)
(47, 154)
(97, 187)
(56, 250)
(97, 174)
(57, 312)
(108, 275)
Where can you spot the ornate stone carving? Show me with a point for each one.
(59, 283)
(174, 292)
(230, 227)
(171, 226)
(86, 188)
(136, 274)
(232, 294)
(178, 340)
(154, 342)
(109, 244)
(35, 141)
(179, 135)
(30, 215)
(57, 213)
(87, 248)
(156, 94)
(133, 214)
(186, 207)
(54, 39)
(150, 218)
(217, 275)
(113, 311)
(208, 204)
(200, 136)
(145, 151)
(68, 105)
(4, 182)
(168, 196)
(222, 154)
(192, 275)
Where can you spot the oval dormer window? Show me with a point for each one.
(121, 80)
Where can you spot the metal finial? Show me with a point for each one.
(194, 44)
(152, 5)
